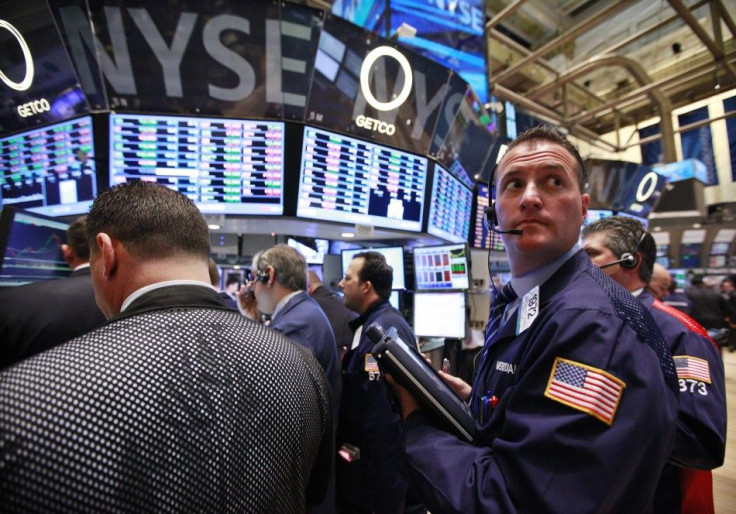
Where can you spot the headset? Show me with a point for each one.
(490, 217)
(262, 277)
(628, 260)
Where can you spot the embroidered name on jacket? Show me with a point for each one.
(506, 367)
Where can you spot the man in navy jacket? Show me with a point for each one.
(575, 394)
(627, 252)
(369, 429)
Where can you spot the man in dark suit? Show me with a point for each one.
(278, 283)
(335, 310)
(177, 403)
(38, 316)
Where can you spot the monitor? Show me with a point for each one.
(347, 180)
(663, 261)
(394, 300)
(717, 261)
(226, 166)
(440, 314)
(50, 170)
(718, 248)
(593, 215)
(313, 253)
(394, 257)
(441, 267)
(481, 237)
(690, 255)
(31, 247)
(450, 206)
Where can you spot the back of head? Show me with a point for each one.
(697, 280)
(76, 238)
(152, 221)
(289, 265)
(550, 134)
(378, 272)
(627, 235)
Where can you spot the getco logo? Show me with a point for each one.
(370, 59)
(646, 187)
(28, 79)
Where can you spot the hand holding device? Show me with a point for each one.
(409, 369)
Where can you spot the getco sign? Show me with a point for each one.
(34, 106)
(365, 69)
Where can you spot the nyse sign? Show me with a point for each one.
(249, 62)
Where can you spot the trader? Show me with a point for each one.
(37, 316)
(575, 395)
(626, 251)
(178, 403)
(369, 429)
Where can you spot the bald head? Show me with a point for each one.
(660, 282)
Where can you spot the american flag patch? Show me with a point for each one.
(692, 367)
(585, 388)
(369, 363)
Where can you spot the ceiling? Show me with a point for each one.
(593, 66)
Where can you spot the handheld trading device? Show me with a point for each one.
(408, 367)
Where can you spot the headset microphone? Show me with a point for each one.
(627, 260)
(492, 222)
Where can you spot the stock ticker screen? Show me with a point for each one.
(31, 247)
(50, 170)
(481, 237)
(225, 166)
(450, 206)
(347, 180)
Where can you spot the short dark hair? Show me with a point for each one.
(627, 235)
(548, 133)
(76, 238)
(376, 270)
(151, 220)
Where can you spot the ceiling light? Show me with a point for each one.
(347, 235)
(214, 226)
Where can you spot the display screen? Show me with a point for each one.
(50, 170)
(351, 181)
(440, 314)
(663, 261)
(719, 248)
(441, 267)
(450, 205)
(224, 165)
(31, 247)
(394, 257)
(593, 215)
(481, 237)
(312, 254)
(717, 261)
(690, 255)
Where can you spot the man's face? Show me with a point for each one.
(351, 285)
(595, 246)
(537, 191)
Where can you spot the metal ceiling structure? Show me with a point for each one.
(595, 66)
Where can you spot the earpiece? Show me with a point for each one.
(263, 277)
(628, 260)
